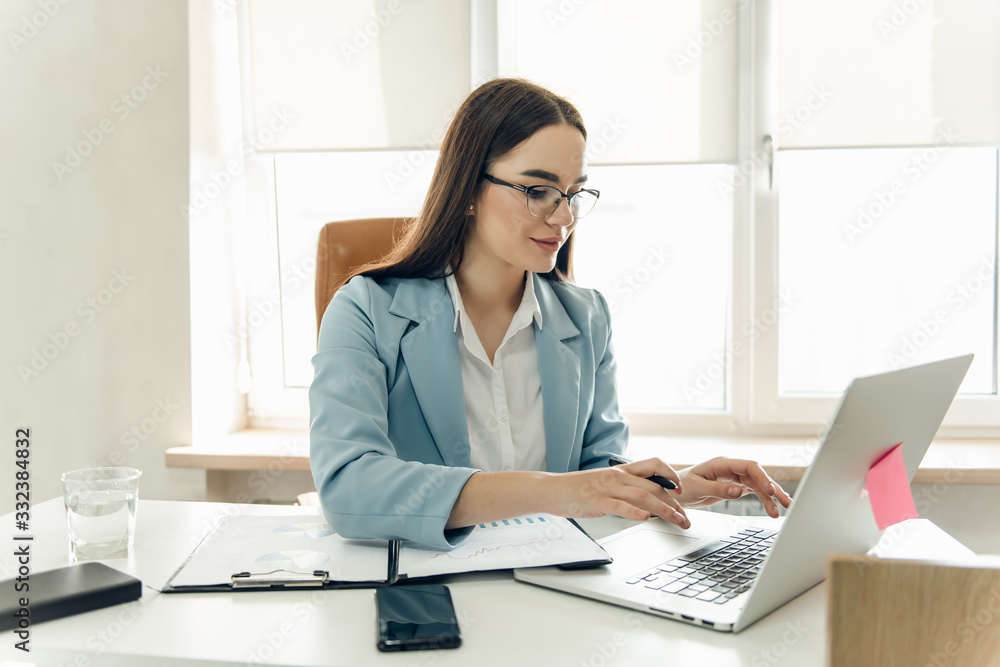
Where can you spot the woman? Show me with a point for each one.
(464, 379)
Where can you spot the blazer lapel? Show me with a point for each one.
(559, 368)
(430, 352)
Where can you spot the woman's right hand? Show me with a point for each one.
(621, 490)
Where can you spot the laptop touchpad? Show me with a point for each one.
(646, 547)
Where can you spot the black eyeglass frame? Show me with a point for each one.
(527, 191)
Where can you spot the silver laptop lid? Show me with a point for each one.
(831, 512)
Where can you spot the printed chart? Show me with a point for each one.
(528, 541)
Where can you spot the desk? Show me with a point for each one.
(503, 622)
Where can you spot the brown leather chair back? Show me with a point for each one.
(348, 244)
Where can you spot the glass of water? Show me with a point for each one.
(100, 511)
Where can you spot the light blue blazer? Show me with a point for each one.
(389, 442)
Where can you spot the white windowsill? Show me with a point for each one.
(948, 461)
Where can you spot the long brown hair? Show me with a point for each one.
(496, 118)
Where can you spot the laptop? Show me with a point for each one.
(726, 572)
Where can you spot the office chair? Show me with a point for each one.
(344, 245)
(347, 244)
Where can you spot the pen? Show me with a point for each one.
(662, 481)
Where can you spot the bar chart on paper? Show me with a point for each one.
(527, 541)
(521, 521)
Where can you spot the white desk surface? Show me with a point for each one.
(503, 622)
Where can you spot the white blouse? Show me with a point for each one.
(503, 400)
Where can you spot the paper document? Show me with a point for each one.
(528, 541)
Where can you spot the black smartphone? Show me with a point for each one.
(416, 617)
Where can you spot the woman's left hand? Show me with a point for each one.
(721, 479)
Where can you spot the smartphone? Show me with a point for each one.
(416, 617)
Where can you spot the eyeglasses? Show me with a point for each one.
(543, 200)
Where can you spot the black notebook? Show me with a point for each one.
(65, 591)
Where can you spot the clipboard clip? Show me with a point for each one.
(280, 579)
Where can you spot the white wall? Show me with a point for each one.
(110, 78)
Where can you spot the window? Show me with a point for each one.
(795, 194)
(666, 282)
(881, 278)
(880, 215)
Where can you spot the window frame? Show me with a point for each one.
(754, 406)
(971, 416)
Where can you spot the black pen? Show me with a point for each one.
(662, 481)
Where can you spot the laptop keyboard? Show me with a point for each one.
(716, 572)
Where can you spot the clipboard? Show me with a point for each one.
(280, 579)
(293, 552)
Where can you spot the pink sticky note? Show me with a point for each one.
(889, 489)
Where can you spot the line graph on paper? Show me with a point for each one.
(467, 553)
(528, 541)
